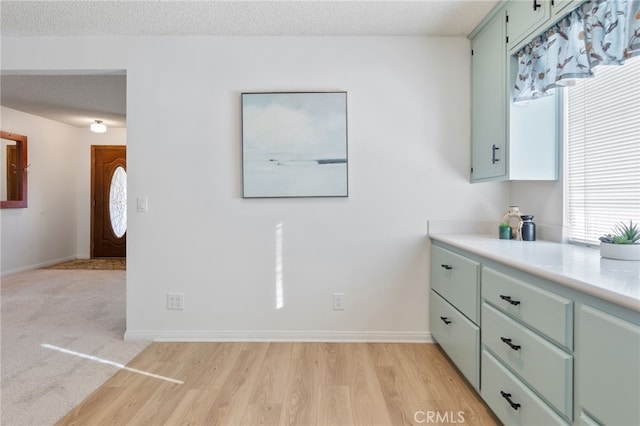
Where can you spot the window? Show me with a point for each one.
(602, 140)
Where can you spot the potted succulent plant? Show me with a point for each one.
(623, 243)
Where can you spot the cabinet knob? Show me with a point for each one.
(447, 267)
(511, 345)
(445, 320)
(507, 396)
(536, 5)
(508, 299)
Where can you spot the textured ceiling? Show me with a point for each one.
(100, 18)
(78, 100)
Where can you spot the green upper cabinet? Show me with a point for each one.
(524, 17)
(510, 141)
(488, 106)
(562, 7)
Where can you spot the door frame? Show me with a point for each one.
(92, 200)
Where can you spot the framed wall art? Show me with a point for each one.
(294, 144)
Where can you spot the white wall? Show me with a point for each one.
(544, 200)
(44, 232)
(408, 111)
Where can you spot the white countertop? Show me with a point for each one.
(581, 268)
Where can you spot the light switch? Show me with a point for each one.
(143, 205)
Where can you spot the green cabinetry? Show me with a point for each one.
(524, 18)
(458, 337)
(488, 106)
(537, 351)
(514, 142)
(453, 310)
(521, 326)
(512, 401)
(537, 362)
(608, 367)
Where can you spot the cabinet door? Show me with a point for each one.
(525, 17)
(488, 102)
(563, 7)
(608, 351)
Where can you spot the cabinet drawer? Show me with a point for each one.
(542, 365)
(550, 314)
(455, 278)
(458, 337)
(608, 367)
(497, 380)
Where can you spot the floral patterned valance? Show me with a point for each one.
(598, 32)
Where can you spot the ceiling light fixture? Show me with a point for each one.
(98, 127)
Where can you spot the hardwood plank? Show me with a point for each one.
(286, 384)
(262, 414)
(367, 398)
(299, 406)
(229, 406)
(334, 406)
(270, 387)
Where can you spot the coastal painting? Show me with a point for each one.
(294, 144)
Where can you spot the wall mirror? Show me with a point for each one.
(13, 170)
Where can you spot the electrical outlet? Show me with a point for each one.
(338, 301)
(175, 301)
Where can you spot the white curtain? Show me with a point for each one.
(599, 32)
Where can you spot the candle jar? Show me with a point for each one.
(504, 232)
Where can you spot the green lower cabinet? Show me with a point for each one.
(542, 365)
(539, 353)
(511, 400)
(608, 368)
(585, 420)
(458, 337)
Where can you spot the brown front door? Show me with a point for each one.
(109, 201)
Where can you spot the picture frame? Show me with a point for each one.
(294, 144)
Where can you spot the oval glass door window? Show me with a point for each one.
(118, 202)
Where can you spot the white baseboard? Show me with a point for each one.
(38, 265)
(280, 336)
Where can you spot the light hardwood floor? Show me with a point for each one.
(285, 384)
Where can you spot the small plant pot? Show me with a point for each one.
(620, 251)
(504, 233)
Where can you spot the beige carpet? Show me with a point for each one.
(115, 263)
(78, 310)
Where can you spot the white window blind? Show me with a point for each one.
(602, 132)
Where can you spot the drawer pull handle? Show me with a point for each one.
(494, 160)
(445, 320)
(447, 267)
(508, 299)
(507, 396)
(511, 345)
